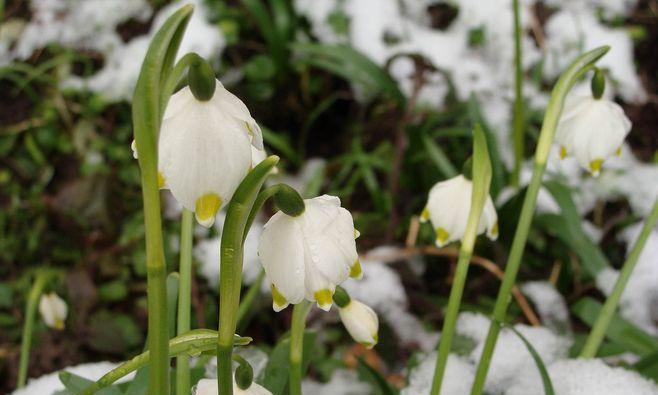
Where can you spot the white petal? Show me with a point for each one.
(53, 310)
(281, 252)
(449, 204)
(361, 322)
(230, 103)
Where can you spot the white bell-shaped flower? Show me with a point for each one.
(448, 207)
(361, 322)
(592, 130)
(205, 150)
(209, 387)
(308, 255)
(53, 310)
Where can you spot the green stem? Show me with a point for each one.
(481, 174)
(184, 300)
(564, 84)
(28, 327)
(607, 312)
(299, 314)
(239, 212)
(518, 132)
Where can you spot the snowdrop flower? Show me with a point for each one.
(205, 144)
(360, 320)
(209, 387)
(53, 310)
(592, 128)
(448, 207)
(307, 255)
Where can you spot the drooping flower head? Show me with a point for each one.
(359, 319)
(307, 255)
(592, 128)
(448, 207)
(53, 310)
(205, 149)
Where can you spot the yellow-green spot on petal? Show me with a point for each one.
(425, 215)
(442, 235)
(595, 166)
(323, 297)
(249, 129)
(355, 270)
(206, 207)
(618, 152)
(494, 230)
(58, 324)
(278, 299)
(161, 180)
(356, 234)
(563, 152)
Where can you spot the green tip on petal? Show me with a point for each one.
(425, 215)
(595, 166)
(206, 208)
(563, 152)
(324, 298)
(355, 270)
(442, 237)
(279, 302)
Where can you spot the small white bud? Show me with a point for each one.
(361, 322)
(53, 310)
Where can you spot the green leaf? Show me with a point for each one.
(375, 378)
(545, 378)
(353, 66)
(439, 157)
(621, 331)
(275, 376)
(75, 384)
(567, 227)
(192, 343)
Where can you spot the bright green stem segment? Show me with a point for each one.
(518, 120)
(481, 172)
(149, 101)
(250, 297)
(235, 228)
(564, 84)
(600, 327)
(28, 326)
(184, 300)
(299, 314)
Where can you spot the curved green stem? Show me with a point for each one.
(607, 312)
(299, 314)
(239, 212)
(481, 182)
(28, 326)
(564, 84)
(518, 121)
(184, 299)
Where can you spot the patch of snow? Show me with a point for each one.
(343, 382)
(549, 303)
(457, 379)
(48, 384)
(586, 377)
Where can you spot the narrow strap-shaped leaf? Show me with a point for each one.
(545, 378)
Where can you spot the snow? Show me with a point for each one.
(586, 377)
(343, 382)
(381, 289)
(48, 384)
(206, 252)
(549, 303)
(457, 379)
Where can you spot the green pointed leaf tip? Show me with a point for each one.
(545, 377)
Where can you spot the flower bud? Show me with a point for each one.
(244, 375)
(289, 201)
(361, 322)
(598, 84)
(53, 310)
